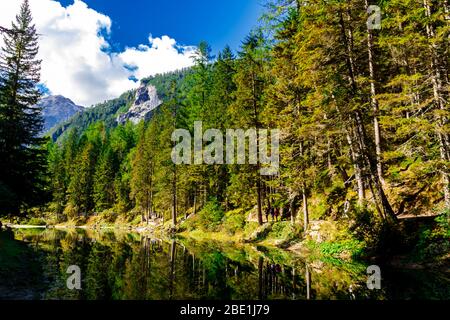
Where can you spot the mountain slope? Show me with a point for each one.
(106, 112)
(134, 105)
(146, 100)
(57, 109)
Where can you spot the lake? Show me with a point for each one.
(119, 265)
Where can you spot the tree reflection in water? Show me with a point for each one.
(129, 266)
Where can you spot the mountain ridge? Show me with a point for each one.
(57, 109)
(134, 105)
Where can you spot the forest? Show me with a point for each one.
(363, 113)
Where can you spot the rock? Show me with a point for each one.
(317, 266)
(146, 100)
(253, 215)
(259, 233)
(320, 231)
(56, 110)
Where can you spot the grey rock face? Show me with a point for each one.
(57, 109)
(146, 101)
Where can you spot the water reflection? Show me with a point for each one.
(129, 266)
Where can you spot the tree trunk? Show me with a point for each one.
(364, 147)
(308, 282)
(356, 158)
(260, 217)
(305, 208)
(381, 201)
(374, 101)
(186, 205)
(292, 210)
(195, 201)
(174, 198)
(151, 202)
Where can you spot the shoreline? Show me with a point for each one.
(297, 248)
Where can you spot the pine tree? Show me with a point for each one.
(22, 150)
(248, 104)
(104, 193)
(81, 187)
(287, 109)
(143, 171)
(57, 177)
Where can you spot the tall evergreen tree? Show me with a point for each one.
(248, 104)
(22, 151)
(104, 192)
(143, 171)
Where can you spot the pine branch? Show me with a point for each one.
(5, 30)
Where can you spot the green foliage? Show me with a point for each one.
(212, 214)
(434, 242)
(234, 221)
(37, 222)
(324, 80)
(109, 216)
(335, 249)
(22, 149)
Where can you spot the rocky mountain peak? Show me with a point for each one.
(146, 101)
(57, 109)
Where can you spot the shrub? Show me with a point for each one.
(37, 222)
(234, 221)
(109, 216)
(71, 211)
(284, 231)
(211, 215)
(366, 226)
(434, 242)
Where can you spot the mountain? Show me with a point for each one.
(106, 111)
(146, 100)
(57, 109)
(134, 105)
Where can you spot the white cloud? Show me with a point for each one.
(162, 54)
(73, 49)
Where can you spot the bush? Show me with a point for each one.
(434, 242)
(279, 229)
(336, 199)
(283, 231)
(234, 221)
(367, 227)
(109, 216)
(212, 214)
(37, 222)
(71, 211)
(191, 223)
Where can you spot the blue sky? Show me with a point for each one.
(94, 50)
(218, 22)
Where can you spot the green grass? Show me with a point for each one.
(37, 222)
(350, 248)
(434, 242)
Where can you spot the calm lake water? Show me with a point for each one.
(129, 266)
